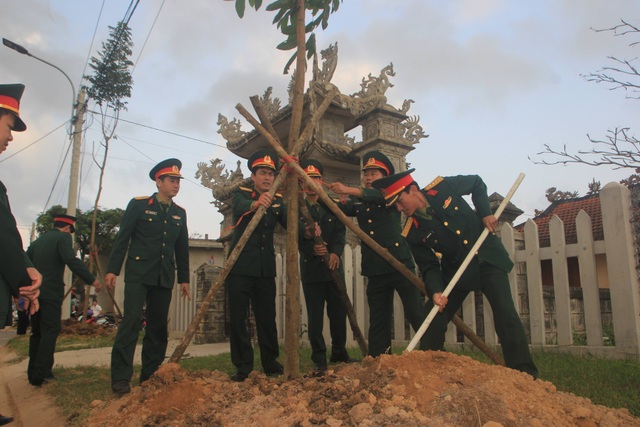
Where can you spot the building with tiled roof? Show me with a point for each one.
(567, 210)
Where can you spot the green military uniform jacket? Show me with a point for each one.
(157, 243)
(450, 228)
(383, 225)
(312, 269)
(258, 257)
(13, 261)
(49, 254)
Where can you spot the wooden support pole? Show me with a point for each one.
(338, 282)
(257, 216)
(383, 252)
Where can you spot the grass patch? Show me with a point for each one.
(608, 382)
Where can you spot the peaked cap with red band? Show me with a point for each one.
(66, 219)
(10, 100)
(170, 167)
(391, 186)
(263, 159)
(312, 167)
(377, 160)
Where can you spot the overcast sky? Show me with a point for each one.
(492, 81)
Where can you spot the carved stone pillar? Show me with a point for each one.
(382, 130)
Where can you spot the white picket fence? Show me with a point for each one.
(526, 285)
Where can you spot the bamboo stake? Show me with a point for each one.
(384, 253)
(338, 282)
(257, 216)
(463, 266)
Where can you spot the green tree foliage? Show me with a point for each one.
(111, 81)
(285, 21)
(107, 225)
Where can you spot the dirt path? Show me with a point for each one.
(28, 405)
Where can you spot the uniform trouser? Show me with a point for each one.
(380, 297)
(45, 328)
(315, 295)
(23, 322)
(154, 344)
(494, 284)
(260, 293)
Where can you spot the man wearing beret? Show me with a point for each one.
(440, 221)
(17, 274)
(382, 224)
(252, 278)
(317, 283)
(154, 237)
(49, 254)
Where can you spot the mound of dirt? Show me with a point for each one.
(73, 327)
(414, 389)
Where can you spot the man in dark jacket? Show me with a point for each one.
(252, 278)
(49, 254)
(442, 222)
(317, 283)
(154, 234)
(382, 224)
(17, 274)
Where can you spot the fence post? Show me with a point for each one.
(534, 283)
(560, 281)
(589, 280)
(621, 266)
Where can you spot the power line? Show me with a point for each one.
(161, 130)
(95, 31)
(147, 39)
(34, 142)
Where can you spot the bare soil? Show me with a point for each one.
(413, 389)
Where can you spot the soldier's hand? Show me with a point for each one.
(440, 300)
(97, 284)
(35, 276)
(31, 305)
(338, 188)
(334, 261)
(490, 222)
(265, 199)
(184, 291)
(110, 281)
(319, 250)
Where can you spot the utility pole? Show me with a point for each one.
(76, 141)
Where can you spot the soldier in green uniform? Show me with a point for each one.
(49, 254)
(252, 278)
(317, 284)
(17, 274)
(153, 234)
(441, 221)
(382, 224)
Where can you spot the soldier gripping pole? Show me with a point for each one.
(472, 252)
(384, 253)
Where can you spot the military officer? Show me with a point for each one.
(17, 274)
(383, 225)
(317, 284)
(49, 254)
(154, 234)
(252, 279)
(440, 221)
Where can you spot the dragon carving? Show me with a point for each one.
(214, 176)
(230, 131)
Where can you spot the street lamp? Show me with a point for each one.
(76, 142)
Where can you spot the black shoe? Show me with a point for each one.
(345, 360)
(239, 377)
(319, 368)
(121, 387)
(275, 371)
(5, 420)
(36, 382)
